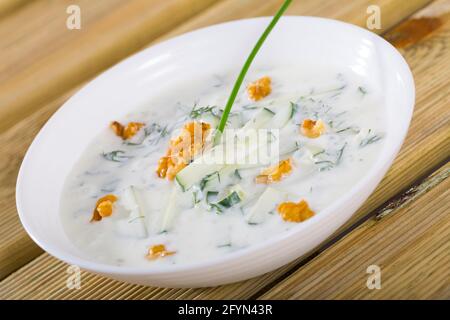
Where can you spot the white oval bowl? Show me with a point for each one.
(132, 82)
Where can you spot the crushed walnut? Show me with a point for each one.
(103, 207)
(260, 88)
(128, 131)
(158, 251)
(295, 212)
(312, 129)
(275, 173)
(182, 149)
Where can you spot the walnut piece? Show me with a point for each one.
(275, 173)
(183, 149)
(158, 251)
(312, 129)
(295, 212)
(103, 207)
(259, 89)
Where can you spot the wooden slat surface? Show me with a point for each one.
(39, 29)
(125, 28)
(410, 244)
(8, 6)
(353, 12)
(425, 48)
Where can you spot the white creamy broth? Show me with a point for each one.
(323, 168)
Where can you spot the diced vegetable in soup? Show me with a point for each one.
(155, 187)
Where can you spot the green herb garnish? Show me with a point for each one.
(340, 153)
(116, 156)
(237, 174)
(294, 108)
(362, 90)
(345, 129)
(248, 62)
(211, 194)
(230, 200)
(196, 112)
(196, 199)
(250, 107)
(134, 219)
(318, 153)
(155, 132)
(369, 140)
(217, 207)
(224, 245)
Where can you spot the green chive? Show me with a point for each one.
(248, 62)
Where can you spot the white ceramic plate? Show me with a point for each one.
(222, 47)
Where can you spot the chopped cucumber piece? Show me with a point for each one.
(209, 180)
(234, 195)
(213, 181)
(266, 203)
(281, 118)
(211, 196)
(261, 118)
(195, 172)
(234, 121)
(207, 165)
(230, 200)
(238, 189)
(168, 216)
(134, 225)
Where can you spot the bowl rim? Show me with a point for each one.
(387, 153)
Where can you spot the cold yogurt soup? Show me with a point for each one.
(159, 187)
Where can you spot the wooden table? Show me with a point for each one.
(404, 227)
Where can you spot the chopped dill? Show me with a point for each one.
(134, 219)
(338, 90)
(116, 156)
(197, 112)
(107, 190)
(328, 164)
(324, 162)
(297, 147)
(340, 114)
(318, 153)
(217, 207)
(369, 140)
(343, 130)
(294, 107)
(155, 131)
(340, 153)
(362, 90)
(250, 107)
(196, 199)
